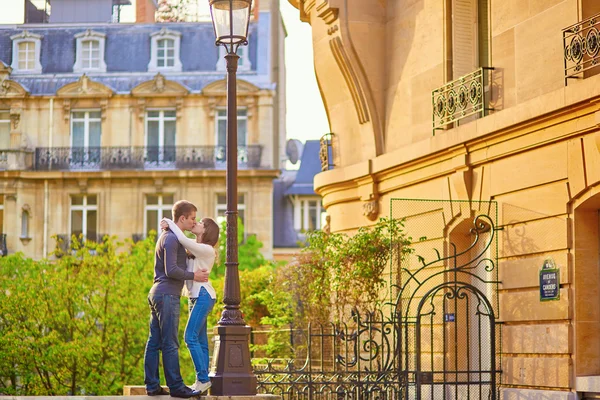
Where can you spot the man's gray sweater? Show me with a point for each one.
(170, 265)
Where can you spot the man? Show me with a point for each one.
(169, 276)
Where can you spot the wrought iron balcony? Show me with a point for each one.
(326, 152)
(581, 44)
(460, 99)
(144, 158)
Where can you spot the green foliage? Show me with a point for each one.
(76, 325)
(336, 272)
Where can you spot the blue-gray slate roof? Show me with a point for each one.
(284, 234)
(310, 165)
(127, 54)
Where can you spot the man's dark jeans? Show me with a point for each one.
(164, 326)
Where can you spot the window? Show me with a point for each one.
(165, 56)
(308, 214)
(84, 216)
(164, 51)
(158, 206)
(470, 36)
(90, 52)
(86, 130)
(222, 207)
(25, 223)
(26, 53)
(160, 136)
(4, 129)
(221, 127)
(243, 62)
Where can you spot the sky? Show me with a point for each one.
(306, 117)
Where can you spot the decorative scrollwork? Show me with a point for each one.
(459, 99)
(581, 43)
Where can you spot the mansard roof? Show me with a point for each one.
(127, 54)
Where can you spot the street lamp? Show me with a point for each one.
(231, 370)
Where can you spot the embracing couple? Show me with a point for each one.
(174, 270)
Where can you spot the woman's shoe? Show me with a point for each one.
(201, 387)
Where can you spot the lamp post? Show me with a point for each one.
(231, 371)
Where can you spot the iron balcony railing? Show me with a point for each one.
(123, 158)
(326, 151)
(581, 44)
(460, 99)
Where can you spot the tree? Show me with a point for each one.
(77, 325)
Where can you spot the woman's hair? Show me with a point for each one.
(211, 232)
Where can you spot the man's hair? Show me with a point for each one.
(182, 208)
(211, 232)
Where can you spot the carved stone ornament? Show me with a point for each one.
(159, 86)
(84, 87)
(327, 13)
(371, 209)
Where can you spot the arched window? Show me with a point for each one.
(25, 222)
(90, 52)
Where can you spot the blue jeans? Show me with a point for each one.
(164, 326)
(195, 336)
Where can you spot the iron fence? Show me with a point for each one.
(119, 158)
(581, 46)
(460, 99)
(435, 337)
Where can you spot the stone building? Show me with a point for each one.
(479, 106)
(104, 125)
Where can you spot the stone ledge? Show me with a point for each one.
(141, 391)
(144, 397)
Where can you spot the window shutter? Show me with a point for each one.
(465, 57)
(484, 33)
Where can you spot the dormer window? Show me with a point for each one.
(243, 62)
(90, 52)
(26, 53)
(165, 51)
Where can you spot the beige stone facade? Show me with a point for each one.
(537, 154)
(119, 181)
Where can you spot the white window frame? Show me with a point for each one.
(154, 38)
(161, 132)
(5, 121)
(244, 63)
(24, 37)
(86, 123)
(91, 36)
(223, 207)
(224, 118)
(301, 212)
(160, 207)
(161, 126)
(85, 207)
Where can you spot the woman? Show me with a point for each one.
(201, 295)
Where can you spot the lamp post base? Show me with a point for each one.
(231, 372)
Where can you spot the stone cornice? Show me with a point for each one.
(159, 87)
(84, 88)
(466, 147)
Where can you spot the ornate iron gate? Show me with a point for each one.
(446, 301)
(435, 338)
